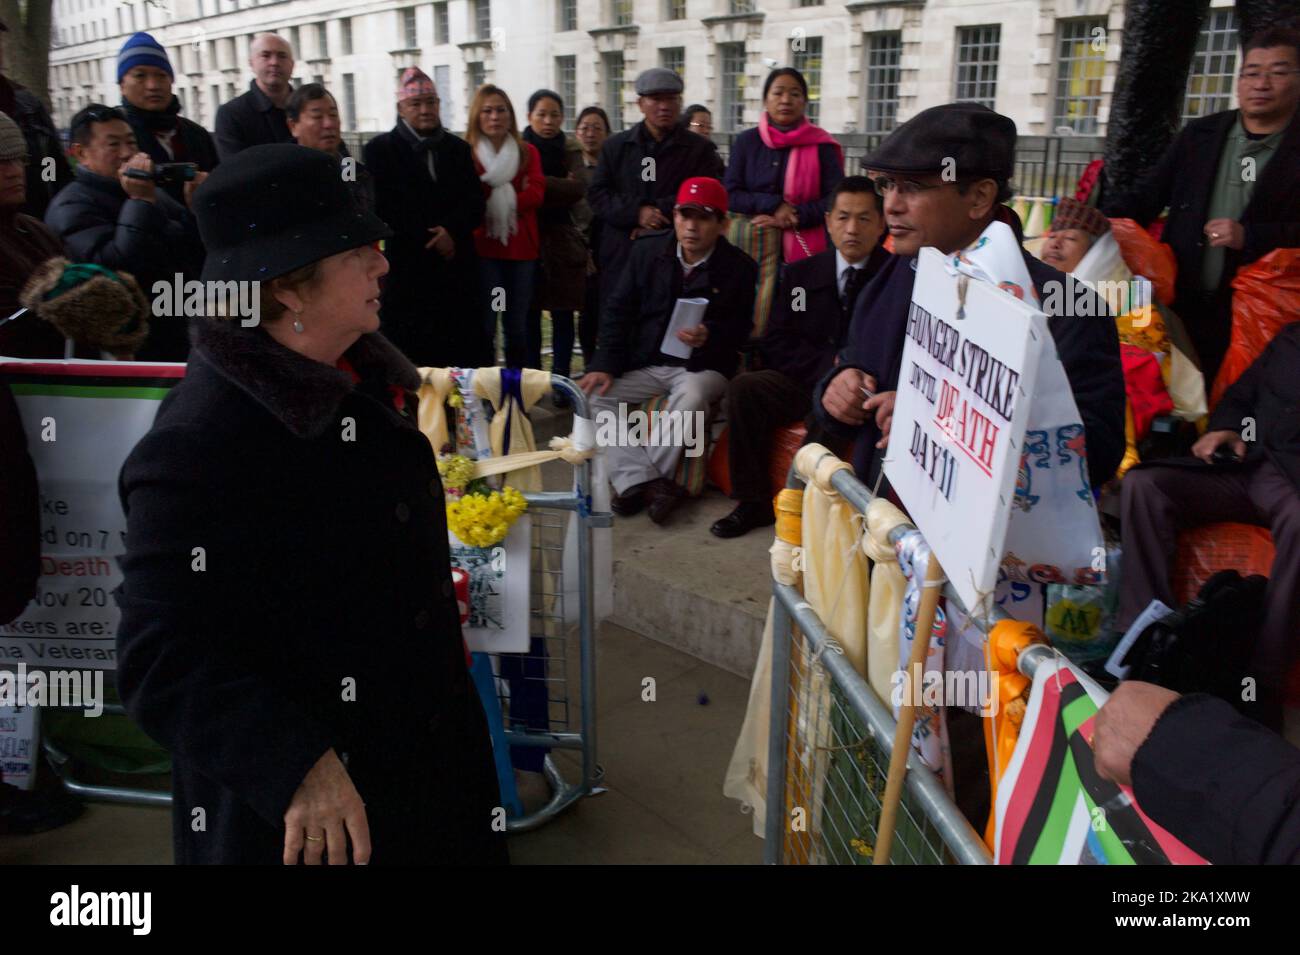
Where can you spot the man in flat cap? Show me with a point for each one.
(428, 193)
(641, 169)
(944, 176)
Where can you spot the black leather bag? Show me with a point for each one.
(1205, 647)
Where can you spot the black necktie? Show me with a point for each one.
(852, 285)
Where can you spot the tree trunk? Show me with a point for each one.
(27, 44)
(1257, 14)
(1147, 105)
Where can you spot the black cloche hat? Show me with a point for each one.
(980, 142)
(271, 209)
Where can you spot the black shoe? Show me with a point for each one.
(662, 498)
(25, 813)
(746, 516)
(630, 502)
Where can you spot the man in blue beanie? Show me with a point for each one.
(145, 77)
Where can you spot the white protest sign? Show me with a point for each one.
(499, 582)
(81, 418)
(960, 410)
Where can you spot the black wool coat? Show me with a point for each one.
(1183, 180)
(802, 344)
(633, 322)
(192, 143)
(250, 119)
(286, 591)
(624, 182)
(431, 306)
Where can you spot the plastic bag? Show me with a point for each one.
(1146, 257)
(1265, 298)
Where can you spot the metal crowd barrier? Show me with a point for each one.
(829, 744)
(554, 667)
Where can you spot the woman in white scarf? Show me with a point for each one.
(507, 241)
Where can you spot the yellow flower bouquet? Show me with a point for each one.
(476, 514)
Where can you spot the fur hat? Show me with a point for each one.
(90, 304)
(12, 143)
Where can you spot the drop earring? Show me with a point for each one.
(297, 322)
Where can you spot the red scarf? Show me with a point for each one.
(803, 179)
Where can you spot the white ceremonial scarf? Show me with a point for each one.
(499, 171)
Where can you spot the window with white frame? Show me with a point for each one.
(568, 15)
(441, 24)
(731, 75)
(620, 13)
(1080, 65)
(345, 35)
(322, 41)
(806, 55)
(410, 36)
(349, 101)
(884, 50)
(674, 58)
(676, 10)
(613, 69)
(483, 19)
(566, 84)
(977, 64)
(476, 75)
(1214, 66)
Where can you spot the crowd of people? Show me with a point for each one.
(800, 274)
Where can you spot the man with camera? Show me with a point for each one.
(115, 214)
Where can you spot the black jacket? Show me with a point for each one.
(43, 143)
(1221, 783)
(250, 119)
(623, 183)
(322, 615)
(1087, 347)
(1268, 393)
(633, 322)
(192, 143)
(153, 241)
(1183, 180)
(431, 306)
(802, 344)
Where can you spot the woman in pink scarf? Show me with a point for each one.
(781, 173)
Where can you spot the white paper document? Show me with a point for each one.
(687, 313)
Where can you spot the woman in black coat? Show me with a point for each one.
(289, 629)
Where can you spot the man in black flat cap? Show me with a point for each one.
(925, 206)
(641, 169)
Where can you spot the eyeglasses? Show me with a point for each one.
(1278, 75)
(906, 187)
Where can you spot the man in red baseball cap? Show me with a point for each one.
(694, 273)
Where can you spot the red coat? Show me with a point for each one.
(530, 186)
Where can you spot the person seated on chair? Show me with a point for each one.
(1248, 472)
(810, 317)
(693, 261)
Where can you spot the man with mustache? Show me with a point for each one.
(258, 116)
(925, 207)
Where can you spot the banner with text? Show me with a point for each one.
(987, 447)
(82, 418)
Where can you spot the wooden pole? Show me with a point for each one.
(907, 713)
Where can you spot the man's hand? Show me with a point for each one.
(596, 381)
(190, 186)
(843, 398)
(1212, 440)
(138, 188)
(327, 807)
(651, 218)
(1225, 232)
(1123, 725)
(440, 241)
(883, 405)
(695, 337)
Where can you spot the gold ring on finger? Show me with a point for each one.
(315, 838)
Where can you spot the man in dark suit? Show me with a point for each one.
(428, 193)
(641, 169)
(925, 207)
(810, 319)
(258, 116)
(635, 357)
(1256, 424)
(1229, 181)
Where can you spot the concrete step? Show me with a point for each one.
(681, 586)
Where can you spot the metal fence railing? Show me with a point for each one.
(829, 746)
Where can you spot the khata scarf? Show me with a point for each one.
(499, 171)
